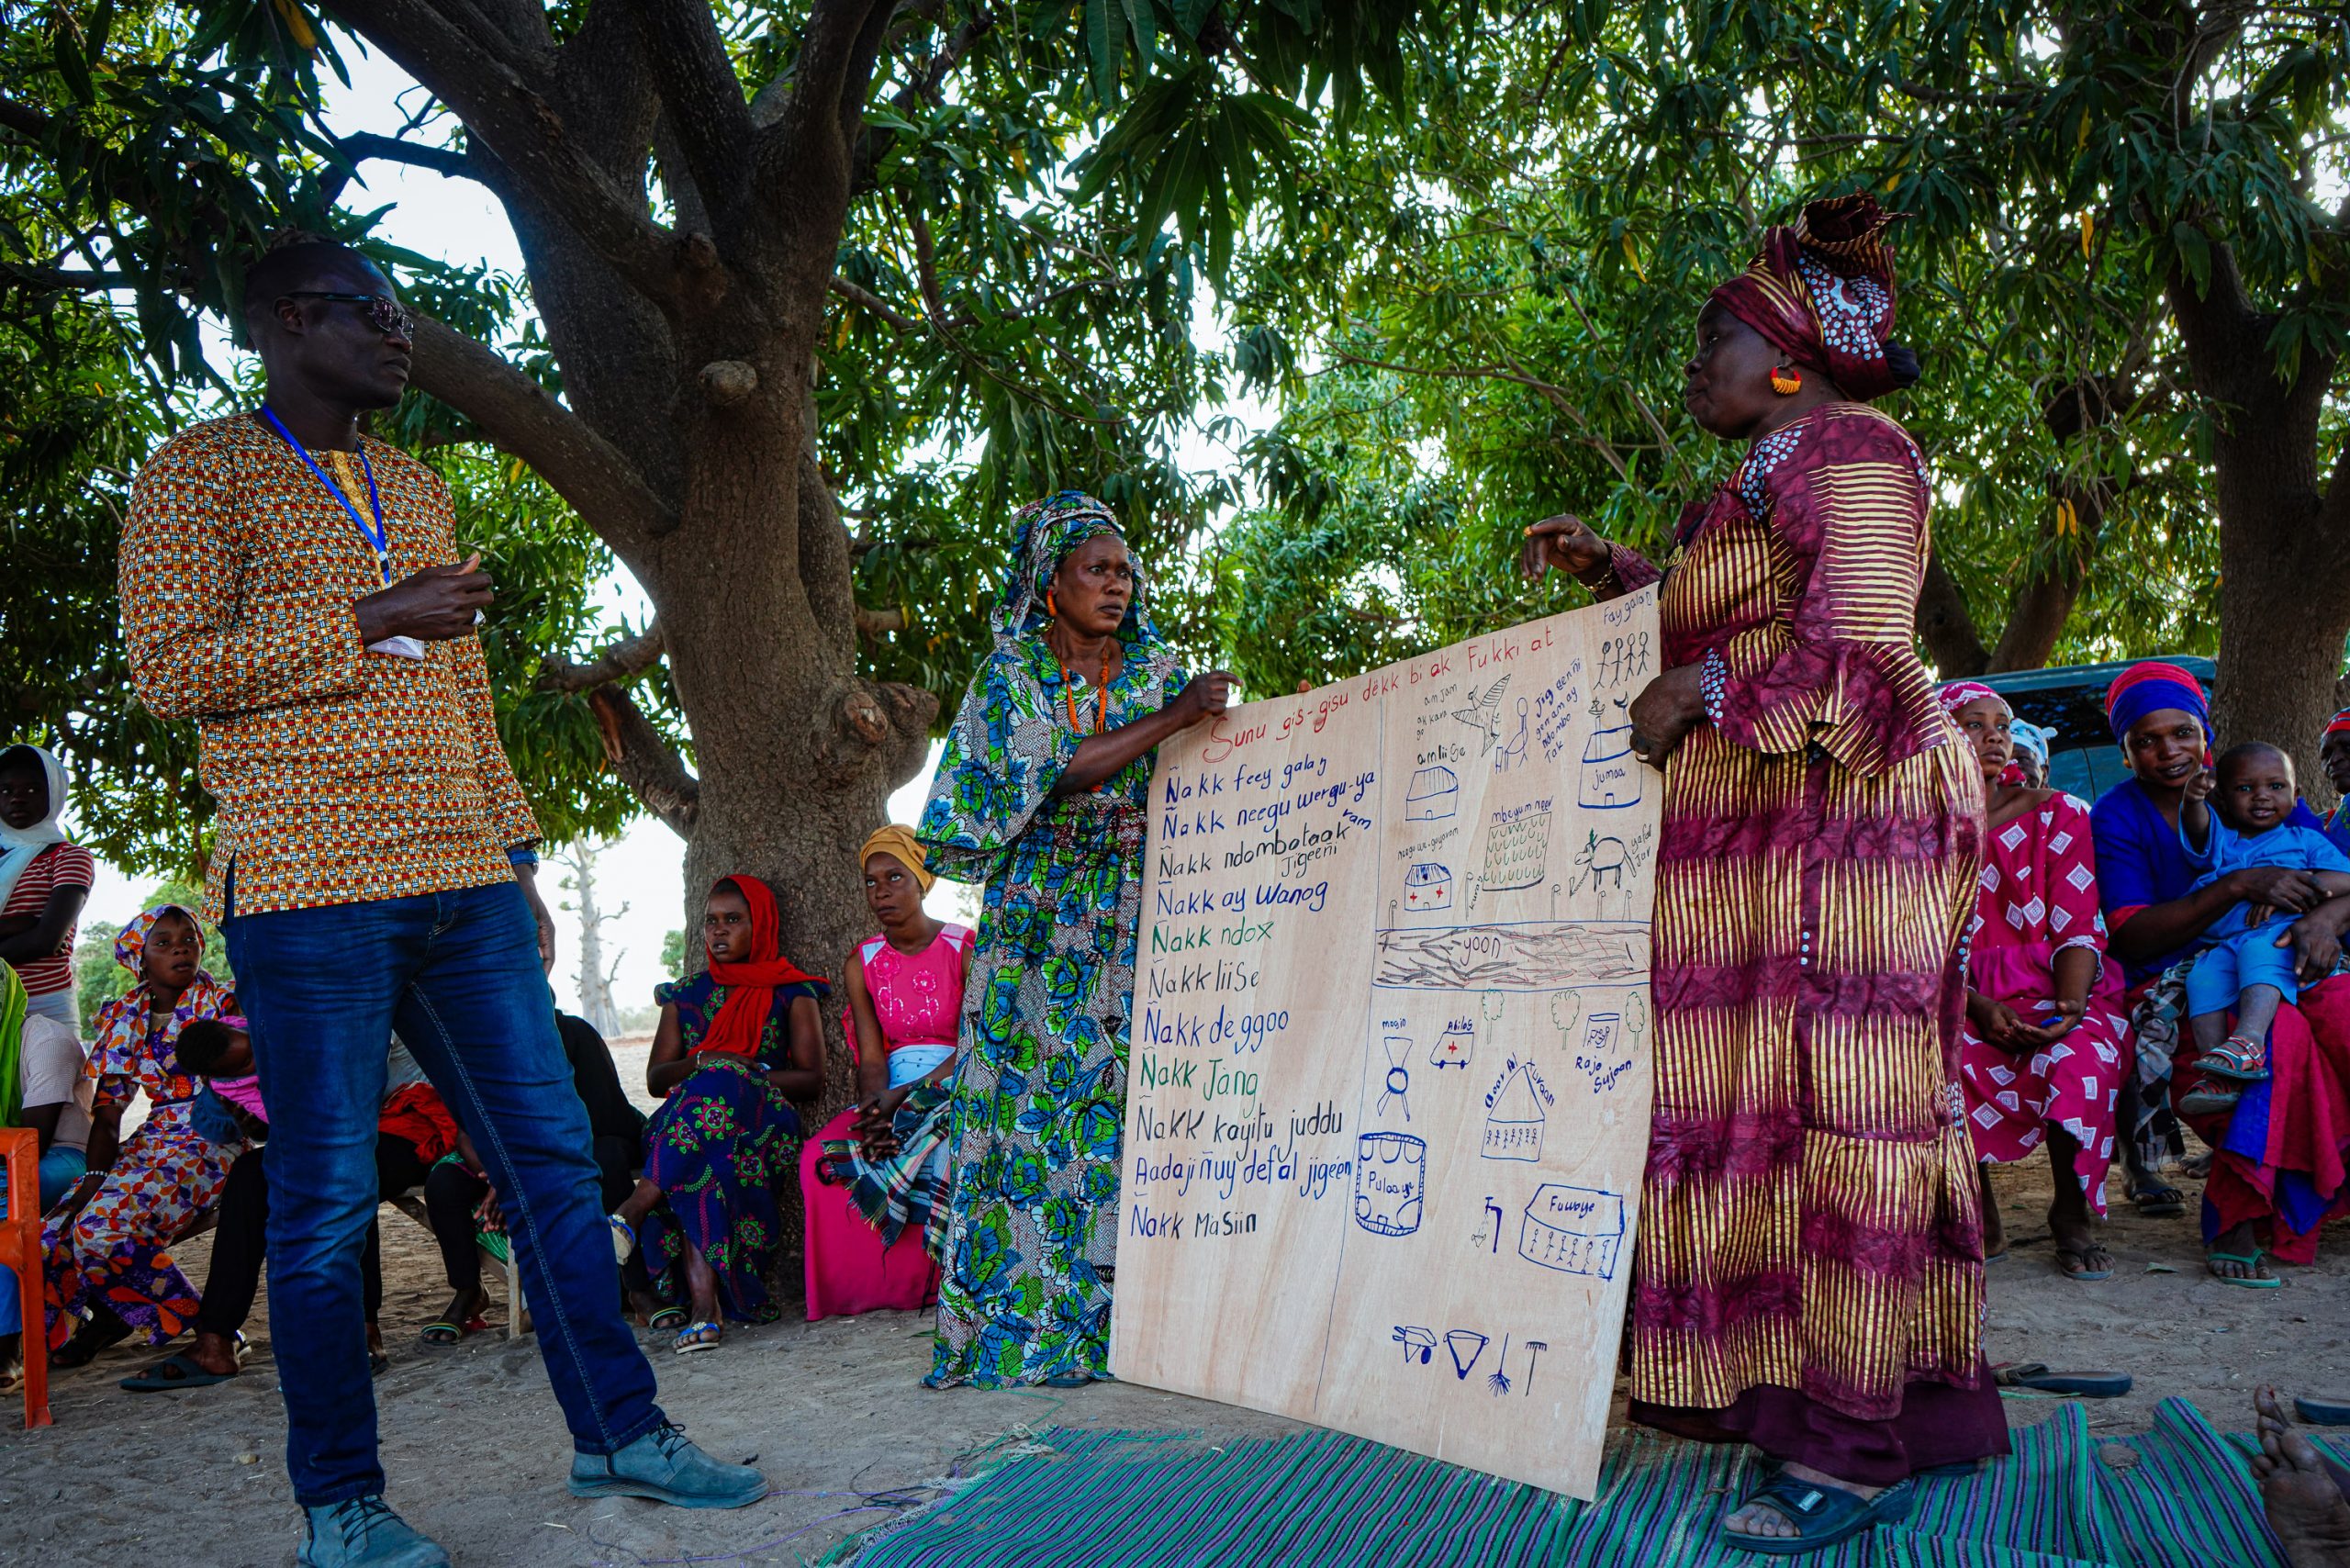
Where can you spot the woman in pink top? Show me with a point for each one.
(865, 1220)
(2040, 1055)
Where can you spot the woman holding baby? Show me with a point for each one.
(2276, 1170)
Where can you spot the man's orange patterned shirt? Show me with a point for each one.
(341, 775)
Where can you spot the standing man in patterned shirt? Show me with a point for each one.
(296, 588)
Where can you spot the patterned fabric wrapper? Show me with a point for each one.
(1809, 1219)
(719, 1148)
(1821, 292)
(902, 1191)
(2154, 1025)
(167, 1175)
(1031, 1220)
(2039, 898)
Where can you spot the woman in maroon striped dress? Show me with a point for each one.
(1810, 1276)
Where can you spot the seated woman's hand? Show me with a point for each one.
(2061, 1017)
(1999, 1025)
(2278, 887)
(1565, 542)
(2317, 947)
(1664, 712)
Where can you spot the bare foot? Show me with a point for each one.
(2240, 1242)
(1760, 1519)
(2079, 1251)
(2308, 1511)
(214, 1352)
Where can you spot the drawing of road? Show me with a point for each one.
(1540, 956)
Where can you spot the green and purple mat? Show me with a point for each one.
(1094, 1499)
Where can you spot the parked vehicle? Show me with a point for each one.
(2082, 758)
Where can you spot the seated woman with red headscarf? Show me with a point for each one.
(2278, 1171)
(2040, 1054)
(737, 1043)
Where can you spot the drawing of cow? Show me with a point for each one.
(1602, 860)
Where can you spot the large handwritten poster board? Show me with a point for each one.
(1388, 1097)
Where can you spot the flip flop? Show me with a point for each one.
(2085, 1276)
(696, 1337)
(378, 1363)
(2160, 1201)
(2324, 1409)
(666, 1320)
(174, 1372)
(624, 1238)
(2086, 1384)
(2208, 1100)
(1822, 1516)
(2249, 1259)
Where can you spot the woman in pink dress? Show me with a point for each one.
(2040, 1055)
(867, 1198)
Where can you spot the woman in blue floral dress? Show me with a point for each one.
(1041, 795)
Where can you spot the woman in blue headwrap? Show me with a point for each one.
(1041, 795)
(2278, 1171)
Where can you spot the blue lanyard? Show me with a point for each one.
(376, 535)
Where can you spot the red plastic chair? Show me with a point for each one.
(20, 1250)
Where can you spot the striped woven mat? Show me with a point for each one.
(1164, 1500)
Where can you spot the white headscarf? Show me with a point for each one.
(18, 845)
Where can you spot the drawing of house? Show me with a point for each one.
(1427, 886)
(1611, 774)
(1513, 1123)
(1433, 796)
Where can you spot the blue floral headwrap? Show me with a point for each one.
(1049, 530)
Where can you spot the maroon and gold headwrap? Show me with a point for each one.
(1821, 293)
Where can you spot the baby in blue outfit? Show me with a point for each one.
(2247, 823)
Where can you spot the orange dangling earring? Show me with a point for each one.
(1786, 380)
(1051, 612)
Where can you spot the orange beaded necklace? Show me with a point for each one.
(1101, 702)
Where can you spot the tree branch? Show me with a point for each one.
(24, 119)
(866, 299)
(450, 161)
(840, 33)
(508, 111)
(644, 762)
(518, 414)
(701, 99)
(873, 624)
(629, 656)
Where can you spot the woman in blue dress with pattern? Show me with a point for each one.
(737, 1043)
(1041, 795)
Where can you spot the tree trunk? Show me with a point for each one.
(2284, 543)
(595, 976)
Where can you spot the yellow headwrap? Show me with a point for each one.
(899, 842)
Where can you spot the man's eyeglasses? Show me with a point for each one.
(386, 315)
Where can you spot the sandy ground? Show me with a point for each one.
(833, 1411)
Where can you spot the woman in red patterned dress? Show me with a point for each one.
(2040, 1055)
(1810, 1274)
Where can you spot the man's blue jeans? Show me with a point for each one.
(457, 975)
(60, 1169)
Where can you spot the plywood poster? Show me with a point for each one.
(1388, 1094)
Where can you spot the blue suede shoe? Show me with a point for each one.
(663, 1466)
(363, 1533)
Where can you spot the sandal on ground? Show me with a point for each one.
(88, 1340)
(667, 1319)
(1066, 1380)
(2080, 1255)
(174, 1372)
(378, 1363)
(2324, 1409)
(624, 1238)
(2238, 1057)
(2157, 1199)
(1822, 1516)
(697, 1337)
(462, 1319)
(2209, 1098)
(2248, 1279)
(2084, 1384)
